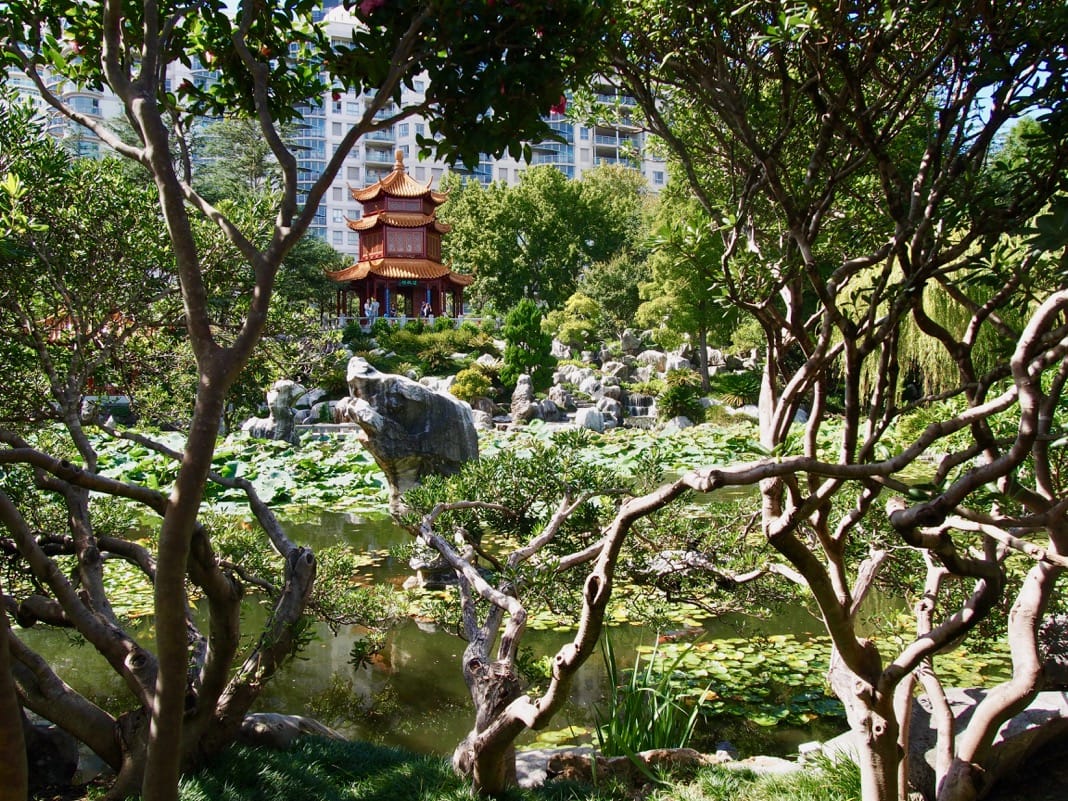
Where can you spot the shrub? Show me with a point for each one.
(682, 396)
(736, 389)
(528, 349)
(437, 357)
(443, 323)
(471, 383)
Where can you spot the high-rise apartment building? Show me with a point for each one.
(324, 124)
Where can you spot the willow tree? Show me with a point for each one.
(491, 71)
(851, 153)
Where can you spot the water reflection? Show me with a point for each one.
(412, 694)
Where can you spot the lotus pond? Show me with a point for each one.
(759, 679)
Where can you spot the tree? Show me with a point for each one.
(238, 159)
(684, 293)
(562, 525)
(850, 153)
(537, 238)
(268, 60)
(527, 349)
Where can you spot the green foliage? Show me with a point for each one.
(644, 711)
(330, 770)
(736, 389)
(82, 268)
(528, 350)
(578, 325)
(681, 397)
(471, 383)
(535, 239)
(822, 779)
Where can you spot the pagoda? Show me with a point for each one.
(399, 267)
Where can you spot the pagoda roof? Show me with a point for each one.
(410, 269)
(398, 219)
(398, 184)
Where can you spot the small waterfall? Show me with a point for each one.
(640, 410)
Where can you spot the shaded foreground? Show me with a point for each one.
(332, 770)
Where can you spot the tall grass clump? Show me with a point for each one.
(644, 710)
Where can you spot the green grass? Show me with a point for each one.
(333, 770)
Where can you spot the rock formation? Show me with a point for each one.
(410, 430)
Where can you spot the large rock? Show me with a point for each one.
(410, 430)
(588, 417)
(280, 422)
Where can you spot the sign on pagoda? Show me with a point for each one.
(399, 273)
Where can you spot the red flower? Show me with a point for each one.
(560, 107)
(369, 7)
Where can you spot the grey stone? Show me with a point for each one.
(590, 418)
(615, 369)
(629, 342)
(1045, 719)
(483, 420)
(280, 422)
(653, 358)
(678, 423)
(562, 398)
(51, 753)
(438, 384)
(410, 430)
(560, 350)
(675, 362)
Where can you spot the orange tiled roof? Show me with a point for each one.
(398, 184)
(417, 269)
(399, 219)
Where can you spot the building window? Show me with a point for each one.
(352, 108)
(502, 173)
(335, 128)
(338, 237)
(355, 214)
(354, 238)
(658, 177)
(402, 129)
(337, 193)
(337, 106)
(584, 154)
(352, 173)
(419, 86)
(584, 133)
(420, 129)
(339, 216)
(420, 173)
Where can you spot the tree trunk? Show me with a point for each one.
(493, 686)
(702, 357)
(14, 777)
(165, 741)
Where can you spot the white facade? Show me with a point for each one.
(325, 124)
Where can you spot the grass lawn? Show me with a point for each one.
(332, 770)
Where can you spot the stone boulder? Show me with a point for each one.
(523, 408)
(51, 754)
(560, 350)
(673, 361)
(591, 418)
(617, 370)
(280, 422)
(630, 343)
(410, 430)
(562, 398)
(653, 358)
